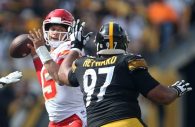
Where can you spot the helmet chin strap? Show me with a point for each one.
(54, 44)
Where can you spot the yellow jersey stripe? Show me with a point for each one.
(138, 63)
(111, 35)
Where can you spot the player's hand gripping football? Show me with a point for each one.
(78, 40)
(36, 37)
(11, 78)
(181, 87)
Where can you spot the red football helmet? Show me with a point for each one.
(61, 17)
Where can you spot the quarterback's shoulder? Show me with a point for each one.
(135, 62)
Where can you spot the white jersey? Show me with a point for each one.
(61, 101)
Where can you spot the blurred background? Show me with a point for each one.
(160, 30)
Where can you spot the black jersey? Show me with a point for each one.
(111, 86)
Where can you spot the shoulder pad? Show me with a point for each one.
(137, 62)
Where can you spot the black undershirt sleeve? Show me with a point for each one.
(144, 82)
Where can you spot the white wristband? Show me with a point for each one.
(43, 54)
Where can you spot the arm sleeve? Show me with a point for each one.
(144, 82)
(138, 70)
(38, 66)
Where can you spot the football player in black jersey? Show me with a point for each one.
(112, 81)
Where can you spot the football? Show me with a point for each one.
(18, 47)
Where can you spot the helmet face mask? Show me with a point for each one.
(55, 41)
(111, 39)
(57, 17)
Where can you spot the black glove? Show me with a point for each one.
(77, 39)
(181, 87)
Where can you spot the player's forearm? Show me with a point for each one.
(66, 66)
(165, 95)
(52, 67)
(48, 62)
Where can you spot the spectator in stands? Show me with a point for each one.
(164, 19)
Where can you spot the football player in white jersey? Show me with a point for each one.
(64, 104)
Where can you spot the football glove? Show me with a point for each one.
(11, 78)
(181, 87)
(75, 31)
